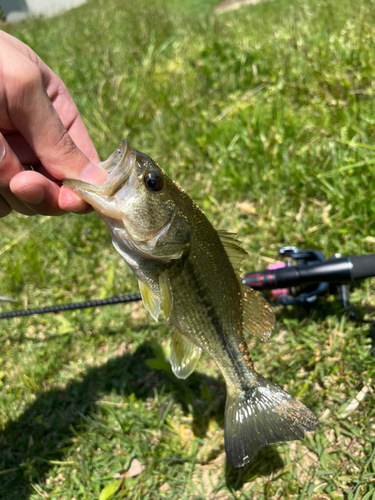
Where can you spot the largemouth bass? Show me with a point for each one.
(190, 271)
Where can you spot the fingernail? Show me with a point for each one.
(93, 174)
(69, 201)
(31, 195)
(2, 150)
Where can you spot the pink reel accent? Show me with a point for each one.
(279, 292)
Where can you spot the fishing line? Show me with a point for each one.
(27, 233)
(64, 218)
(23, 235)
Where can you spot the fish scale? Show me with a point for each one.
(188, 270)
(218, 333)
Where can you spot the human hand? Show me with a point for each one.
(41, 128)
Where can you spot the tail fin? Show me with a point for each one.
(261, 415)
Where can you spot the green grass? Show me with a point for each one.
(266, 117)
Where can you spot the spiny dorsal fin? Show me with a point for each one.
(257, 315)
(184, 355)
(233, 249)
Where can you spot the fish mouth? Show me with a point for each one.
(124, 149)
(119, 167)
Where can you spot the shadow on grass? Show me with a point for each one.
(265, 462)
(322, 308)
(40, 436)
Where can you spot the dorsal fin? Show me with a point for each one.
(233, 249)
(257, 315)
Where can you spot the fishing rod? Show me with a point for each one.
(69, 307)
(301, 279)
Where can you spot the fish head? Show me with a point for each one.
(140, 204)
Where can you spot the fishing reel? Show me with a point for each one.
(306, 274)
(269, 281)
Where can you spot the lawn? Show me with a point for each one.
(266, 117)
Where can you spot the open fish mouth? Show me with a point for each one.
(116, 158)
(119, 167)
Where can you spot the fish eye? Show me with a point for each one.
(154, 181)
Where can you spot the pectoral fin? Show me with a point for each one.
(150, 300)
(153, 301)
(165, 294)
(184, 355)
(257, 316)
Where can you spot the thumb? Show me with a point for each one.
(32, 113)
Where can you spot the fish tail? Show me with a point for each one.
(259, 415)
